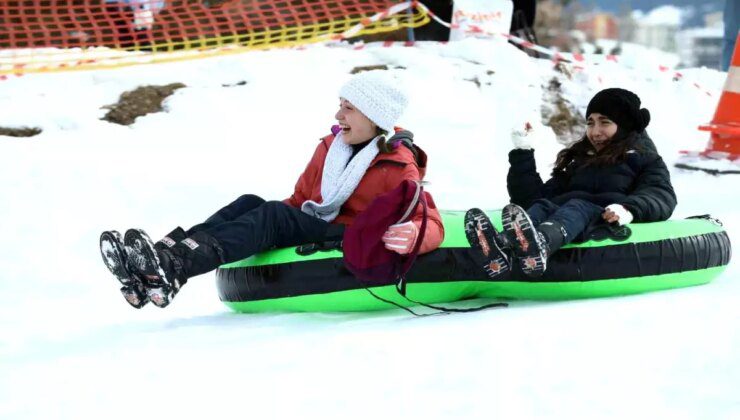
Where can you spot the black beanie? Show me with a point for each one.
(622, 107)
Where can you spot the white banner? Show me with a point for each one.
(475, 17)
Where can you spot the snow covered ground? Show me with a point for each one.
(71, 348)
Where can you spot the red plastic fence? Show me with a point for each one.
(173, 25)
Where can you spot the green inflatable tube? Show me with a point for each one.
(657, 256)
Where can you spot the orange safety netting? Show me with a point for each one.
(45, 35)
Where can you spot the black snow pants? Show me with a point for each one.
(251, 225)
(575, 215)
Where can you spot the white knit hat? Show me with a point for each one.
(378, 96)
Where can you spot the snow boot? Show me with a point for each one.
(528, 245)
(114, 257)
(554, 235)
(153, 266)
(165, 271)
(488, 245)
(171, 239)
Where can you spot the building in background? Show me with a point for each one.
(702, 46)
(687, 34)
(598, 25)
(657, 28)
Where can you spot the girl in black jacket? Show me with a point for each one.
(613, 175)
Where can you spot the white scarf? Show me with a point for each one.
(339, 178)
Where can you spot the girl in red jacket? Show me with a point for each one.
(364, 157)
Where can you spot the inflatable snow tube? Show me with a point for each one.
(663, 255)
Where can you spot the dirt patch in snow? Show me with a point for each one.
(19, 132)
(561, 115)
(360, 69)
(140, 101)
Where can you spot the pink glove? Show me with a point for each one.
(401, 237)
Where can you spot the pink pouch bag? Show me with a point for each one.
(365, 254)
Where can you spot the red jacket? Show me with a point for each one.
(384, 174)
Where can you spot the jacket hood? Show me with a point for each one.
(643, 141)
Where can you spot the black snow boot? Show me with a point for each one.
(489, 247)
(155, 267)
(164, 271)
(171, 239)
(528, 245)
(554, 235)
(115, 258)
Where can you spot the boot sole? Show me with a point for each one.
(114, 258)
(528, 247)
(481, 236)
(135, 295)
(145, 260)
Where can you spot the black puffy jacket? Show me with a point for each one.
(641, 182)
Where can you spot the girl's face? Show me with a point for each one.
(356, 127)
(600, 130)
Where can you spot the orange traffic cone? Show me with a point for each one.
(725, 126)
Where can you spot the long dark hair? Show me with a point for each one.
(614, 152)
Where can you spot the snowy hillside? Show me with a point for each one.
(71, 348)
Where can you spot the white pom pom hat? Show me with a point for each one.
(378, 96)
